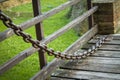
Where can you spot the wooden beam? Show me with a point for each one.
(38, 19)
(12, 62)
(102, 53)
(110, 37)
(57, 78)
(85, 75)
(47, 70)
(100, 64)
(104, 47)
(109, 42)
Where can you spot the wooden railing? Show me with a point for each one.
(48, 68)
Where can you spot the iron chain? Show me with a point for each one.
(36, 44)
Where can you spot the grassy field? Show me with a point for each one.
(14, 45)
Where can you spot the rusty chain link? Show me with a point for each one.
(36, 44)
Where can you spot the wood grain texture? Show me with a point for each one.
(102, 53)
(109, 42)
(104, 47)
(113, 54)
(15, 60)
(99, 64)
(103, 65)
(85, 75)
(47, 70)
(113, 36)
(58, 78)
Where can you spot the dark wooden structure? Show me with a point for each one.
(102, 65)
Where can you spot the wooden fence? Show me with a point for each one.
(46, 69)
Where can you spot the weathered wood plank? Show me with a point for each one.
(112, 39)
(111, 47)
(47, 70)
(12, 62)
(97, 60)
(85, 75)
(108, 64)
(100, 64)
(100, 53)
(38, 19)
(113, 36)
(57, 78)
(114, 54)
(109, 42)
(104, 47)
(6, 34)
(55, 63)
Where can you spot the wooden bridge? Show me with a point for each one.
(103, 64)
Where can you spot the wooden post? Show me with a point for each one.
(39, 31)
(90, 19)
(108, 16)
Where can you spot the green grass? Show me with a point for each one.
(14, 45)
(45, 6)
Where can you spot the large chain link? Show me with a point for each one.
(36, 44)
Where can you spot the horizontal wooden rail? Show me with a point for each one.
(46, 71)
(8, 33)
(12, 62)
(50, 38)
(70, 25)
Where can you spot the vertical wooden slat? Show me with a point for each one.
(39, 31)
(90, 18)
